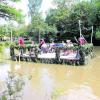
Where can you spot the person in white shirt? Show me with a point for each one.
(69, 43)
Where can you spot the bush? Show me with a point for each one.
(7, 43)
(1, 47)
(97, 35)
(14, 86)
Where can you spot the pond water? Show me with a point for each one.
(55, 82)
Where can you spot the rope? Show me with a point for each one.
(87, 28)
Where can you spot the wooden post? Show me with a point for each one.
(80, 28)
(19, 57)
(6, 29)
(11, 35)
(39, 36)
(92, 35)
(57, 55)
(19, 54)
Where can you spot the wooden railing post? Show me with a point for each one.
(57, 55)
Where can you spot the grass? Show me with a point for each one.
(57, 92)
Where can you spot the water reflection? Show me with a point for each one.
(46, 82)
(74, 83)
(17, 66)
(79, 93)
(4, 69)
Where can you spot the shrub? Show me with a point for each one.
(97, 34)
(14, 86)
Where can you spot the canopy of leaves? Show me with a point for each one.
(97, 6)
(34, 6)
(39, 24)
(9, 12)
(66, 19)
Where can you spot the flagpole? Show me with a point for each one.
(92, 35)
(80, 28)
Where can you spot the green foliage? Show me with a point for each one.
(97, 6)
(39, 26)
(2, 30)
(2, 45)
(97, 34)
(87, 46)
(66, 18)
(86, 11)
(57, 92)
(1, 48)
(60, 3)
(14, 84)
(37, 22)
(22, 31)
(6, 44)
(5, 30)
(56, 15)
(34, 6)
(4, 97)
(10, 12)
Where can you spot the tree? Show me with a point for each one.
(11, 15)
(6, 11)
(36, 21)
(34, 6)
(39, 27)
(97, 21)
(97, 6)
(66, 19)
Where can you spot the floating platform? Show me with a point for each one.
(77, 56)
